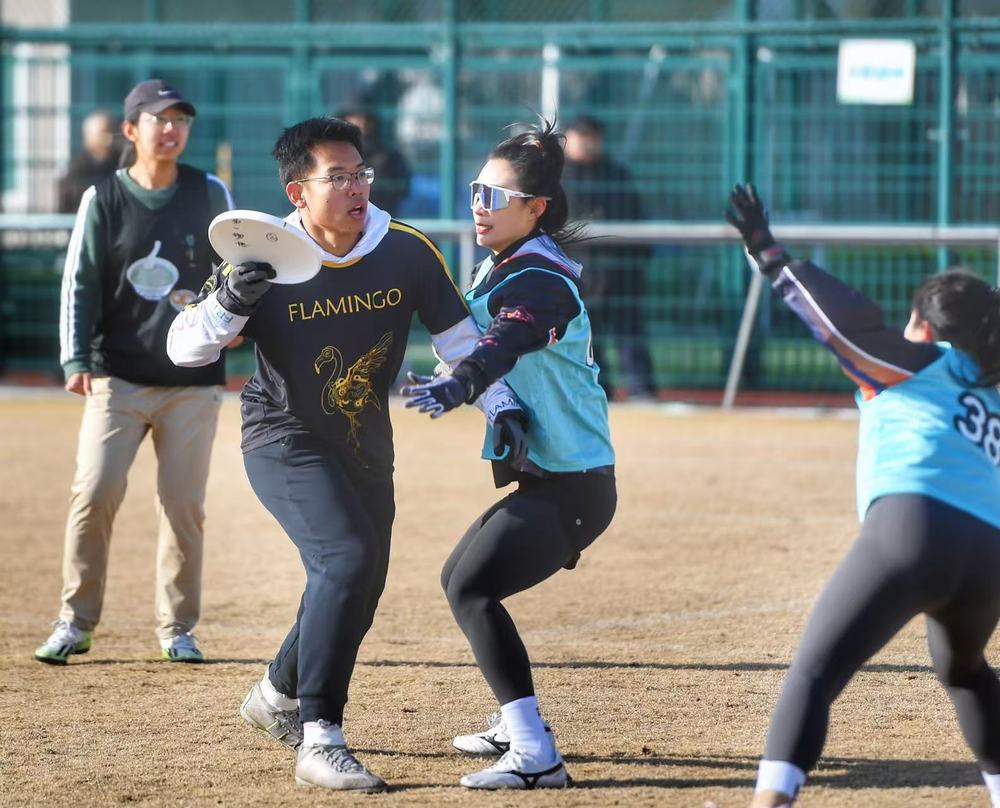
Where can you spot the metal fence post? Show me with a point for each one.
(946, 124)
(998, 263)
(742, 151)
(743, 339)
(467, 258)
(449, 81)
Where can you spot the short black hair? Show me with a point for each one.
(358, 112)
(293, 150)
(963, 309)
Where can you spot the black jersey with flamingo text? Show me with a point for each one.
(328, 349)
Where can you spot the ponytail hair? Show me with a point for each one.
(537, 158)
(963, 309)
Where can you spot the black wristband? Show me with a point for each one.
(472, 377)
(231, 304)
(771, 259)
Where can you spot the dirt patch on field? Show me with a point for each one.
(657, 660)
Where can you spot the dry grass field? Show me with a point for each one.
(657, 660)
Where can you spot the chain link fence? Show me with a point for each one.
(692, 97)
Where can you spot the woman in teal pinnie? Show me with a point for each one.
(525, 298)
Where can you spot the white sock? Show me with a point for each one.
(993, 784)
(322, 733)
(277, 699)
(777, 775)
(527, 730)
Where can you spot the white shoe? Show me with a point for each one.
(284, 726)
(493, 741)
(66, 639)
(182, 648)
(334, 767)
(519, 770)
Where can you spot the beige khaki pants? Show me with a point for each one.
(116, 418)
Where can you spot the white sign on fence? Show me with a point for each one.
(876, 71)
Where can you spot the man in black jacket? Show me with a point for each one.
(600, 189)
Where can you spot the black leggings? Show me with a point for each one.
(523, 539)
(914, 555)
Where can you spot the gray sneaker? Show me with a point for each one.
(282, 725)
(335, 767)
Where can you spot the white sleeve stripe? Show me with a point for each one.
(832, 329)
(67, 307)
(225, 190)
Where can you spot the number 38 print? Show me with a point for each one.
(980, 425)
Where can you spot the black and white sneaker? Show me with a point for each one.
(519, 770)
(492, 741)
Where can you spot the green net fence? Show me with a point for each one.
(692, 97)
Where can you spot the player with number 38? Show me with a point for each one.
(928, 486)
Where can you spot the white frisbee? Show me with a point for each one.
(239, 236)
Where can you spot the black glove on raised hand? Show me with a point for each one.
(244, 286)
(437, 394)
(510, 431)
(748, 215)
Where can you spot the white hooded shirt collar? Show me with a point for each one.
(376, 226)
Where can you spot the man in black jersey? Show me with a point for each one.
(317, 440)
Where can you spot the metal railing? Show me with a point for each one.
(608, 234)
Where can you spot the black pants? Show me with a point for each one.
(523, 539)
(340, 519)
(914, 555)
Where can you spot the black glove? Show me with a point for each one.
(244, 286)
(748, 215)
(510, 432)
(436, 394)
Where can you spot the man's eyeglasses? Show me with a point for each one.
(340, 182)
(161, 121)
(493, 197)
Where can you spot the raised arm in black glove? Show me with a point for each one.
(437, 394)
(243, 287)
(748, 215)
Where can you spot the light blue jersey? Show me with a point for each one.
(933, 434)
(557, 386)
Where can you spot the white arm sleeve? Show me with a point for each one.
(452, 346)
(199, 333)
(497, 398)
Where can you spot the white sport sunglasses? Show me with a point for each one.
(493, 197)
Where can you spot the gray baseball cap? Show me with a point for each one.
(154, 96)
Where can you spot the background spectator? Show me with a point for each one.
(600, 189)
(138, 254)
(97, 159)
(392, 174)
